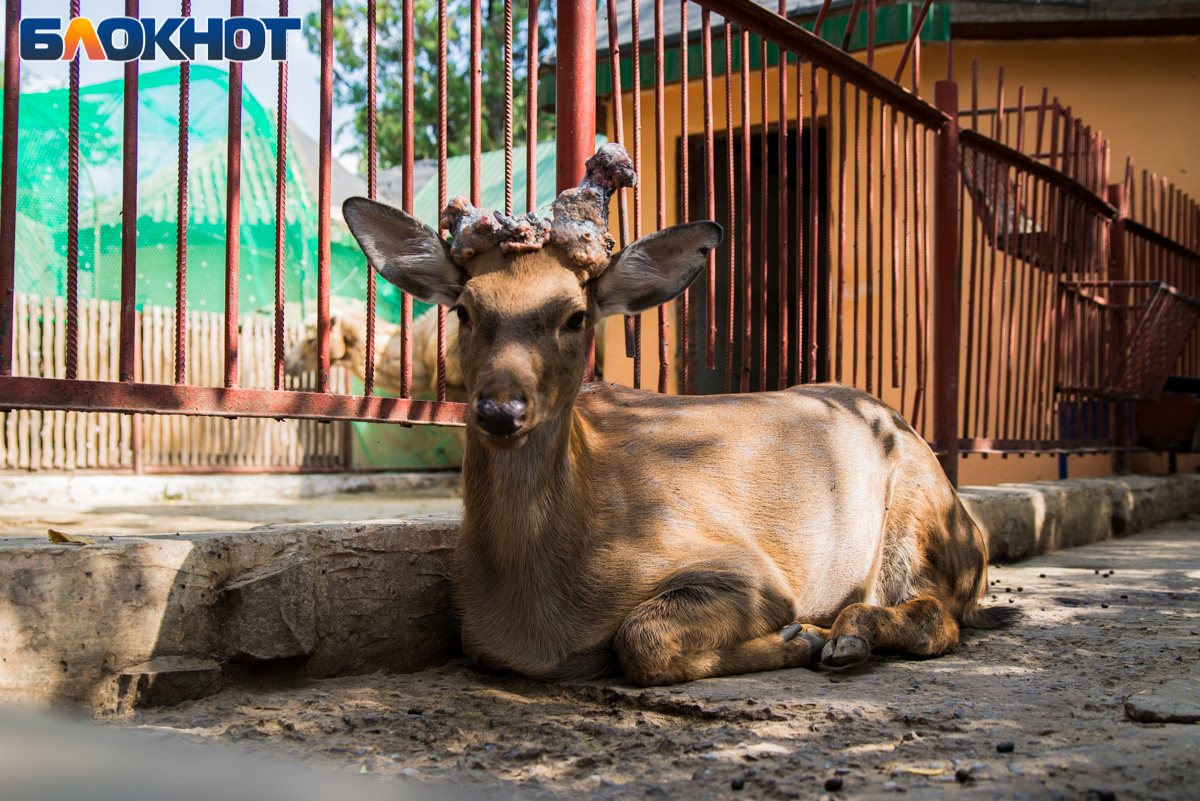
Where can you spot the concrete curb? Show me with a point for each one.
(154, 620)
(132, 490)
(1023, 520)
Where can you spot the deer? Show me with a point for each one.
(609, 530)
(347, 348)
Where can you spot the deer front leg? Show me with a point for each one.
(922, 626)
(704, 624)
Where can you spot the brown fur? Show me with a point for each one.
(677, 538)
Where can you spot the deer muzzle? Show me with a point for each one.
(501, 419)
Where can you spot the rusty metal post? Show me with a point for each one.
(575, 91)
(8, 182)
(129, 153)
(575, 105)
(233, 213)
(1122, 412)
(946, 280)
(324, 192)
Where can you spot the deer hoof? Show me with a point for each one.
(805, 633)
(845, 650)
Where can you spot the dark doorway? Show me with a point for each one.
(707, 382)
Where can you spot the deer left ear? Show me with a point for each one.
(655, 268)
(405, 251)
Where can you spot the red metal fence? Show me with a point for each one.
(955, 274)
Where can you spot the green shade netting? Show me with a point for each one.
(42, 201)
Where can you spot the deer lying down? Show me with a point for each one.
(673, 538)
(348, 348)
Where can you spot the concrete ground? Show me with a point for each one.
(122, 505)
(1078, 701)
(168, 517)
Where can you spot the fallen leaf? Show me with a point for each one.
(70, 539)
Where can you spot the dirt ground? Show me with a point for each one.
(1042, 710)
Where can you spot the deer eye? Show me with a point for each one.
(463, 317)
(575, 321)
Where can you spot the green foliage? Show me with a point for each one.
(350, 77)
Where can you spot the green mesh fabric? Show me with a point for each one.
(42, 201)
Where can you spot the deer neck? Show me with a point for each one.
(531, 502)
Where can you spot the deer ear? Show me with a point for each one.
(405, 251)
(655, 268)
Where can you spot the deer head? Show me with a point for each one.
(527, 290)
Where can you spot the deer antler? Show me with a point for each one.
(580, 224)
(476, 231)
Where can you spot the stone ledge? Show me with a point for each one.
(81, 624)
(1023, 520)
(77, 622)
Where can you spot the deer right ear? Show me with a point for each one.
(655, 268)
(405, 251)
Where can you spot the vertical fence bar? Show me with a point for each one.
(812, 265)
(784, 225)
(128, 346)
(763, 243)
(407, 56)
(710, 189)
(8, 182)
(372, 192)
(633, 325)
(685, 300)
(508, 106)
(530, 186)
(233, 200)
(747, 221)
(531, 113)
(817, 354)
(858, 288)
(324, 178)
(841, 230)
(946, 280)
(614, 67)
(893, 168)
(799, 276)
(128, 362)
(280, 199)
(72, 311)
(1118, 271)
(731, 229)
(660, 175)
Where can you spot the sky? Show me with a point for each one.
(258, 77)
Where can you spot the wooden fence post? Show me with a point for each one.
(946, 281)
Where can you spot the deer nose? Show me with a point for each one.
(501, 419)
